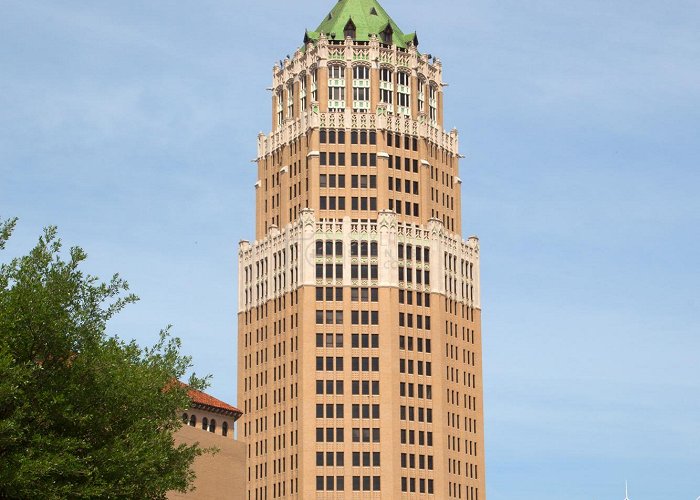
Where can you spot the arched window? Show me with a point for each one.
(193, 421)
(185, 417)
(224, 429)
(212, 425)
(205, 423)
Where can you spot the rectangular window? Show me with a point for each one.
(432, 103)
(361, 89)
(290, 100)
(386, 88)
(403, 90)
(280, 107)
(314, 85)
(336, 88)
(421, 97)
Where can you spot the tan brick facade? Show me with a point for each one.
(359, 341)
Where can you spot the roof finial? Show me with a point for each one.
(626, 495)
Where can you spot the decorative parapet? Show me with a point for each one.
(349, 52)
(293, 129)
(286, 260)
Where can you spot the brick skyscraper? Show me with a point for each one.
(359, 343)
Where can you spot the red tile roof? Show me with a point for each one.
(200, 398)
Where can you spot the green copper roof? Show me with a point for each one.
(368, 17)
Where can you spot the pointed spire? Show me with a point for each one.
(626, 494)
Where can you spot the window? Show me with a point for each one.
(302, 92)
(314, 85)
(421, 95)
(432, 103)
(290, 100)
(193, 421)
(212, 425)
(387, 35)
(403, 94)
(205, 423)
(336, 88)
(350, 30)
(185, 417)
(360, 88)
(386, 88)
(280, 108)
(224, 429)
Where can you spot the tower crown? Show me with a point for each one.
(360, 20)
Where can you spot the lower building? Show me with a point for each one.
(210, 422)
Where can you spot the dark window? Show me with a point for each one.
(349, 30)
(387, 35)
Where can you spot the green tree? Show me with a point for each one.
(83, 414)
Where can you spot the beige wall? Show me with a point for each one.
(220, 476)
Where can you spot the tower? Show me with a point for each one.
(359, 336)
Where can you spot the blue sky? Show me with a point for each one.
(131, 126)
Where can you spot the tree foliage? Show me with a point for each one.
(83, 414)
